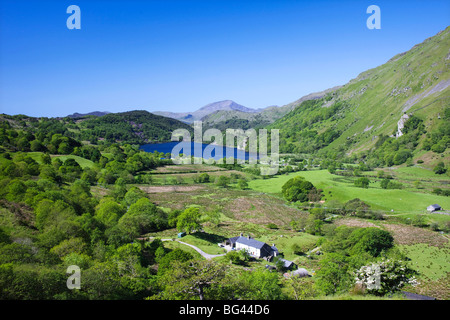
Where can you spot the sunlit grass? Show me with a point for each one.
(342, 189)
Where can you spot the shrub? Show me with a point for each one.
(440, 168)
(401, 157)
(333, 276)
(314, 226)
(371, 240)
(438, 147)
(222, 181)
(242, 184)
(355, 207)
(234, 257)
(437, 191)
(418, 221)
(318, 213)
(384, 183)
(175, 255)
(394, 185)
(189, 220)
(272, 226)
(362, 182)
(434, 226)
(296, 249)
(297, 189)
(203, 178)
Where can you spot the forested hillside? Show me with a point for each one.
(38, 134)
(66, 202)
(133, 127)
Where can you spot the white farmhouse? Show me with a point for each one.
(254, 247)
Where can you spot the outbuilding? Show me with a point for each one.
(288, 264)
(434, 207)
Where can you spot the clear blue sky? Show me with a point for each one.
(181, 55)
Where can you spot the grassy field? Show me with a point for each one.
(176, 245)
(433, 267)
(205, 242)
(84, 163)
(430, 261)
(285, 242)
(342, 189)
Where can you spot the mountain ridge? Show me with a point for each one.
(93, 113)
(190, 117)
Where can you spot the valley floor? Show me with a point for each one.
(251, 211)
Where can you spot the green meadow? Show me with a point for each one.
(342, 189)
(84, 163)
(430, 261)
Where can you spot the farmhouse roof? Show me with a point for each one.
(233, 240)
(434, 207)
(250, 242)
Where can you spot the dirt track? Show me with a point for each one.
(164, 189)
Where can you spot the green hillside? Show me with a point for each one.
(407, 200)
(362, 117)
(133, 127)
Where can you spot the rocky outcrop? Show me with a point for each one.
(401, 125)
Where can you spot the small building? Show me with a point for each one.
(434, 207)
(231, 242)
(288, 264)
(181, 234)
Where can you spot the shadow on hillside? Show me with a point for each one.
(343, 179)
(213, 238)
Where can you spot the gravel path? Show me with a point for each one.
(204, 254)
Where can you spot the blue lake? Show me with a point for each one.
(207, 151)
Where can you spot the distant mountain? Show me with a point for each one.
(190, 117)
(94, 113)
(223, 119)
(224, 105)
